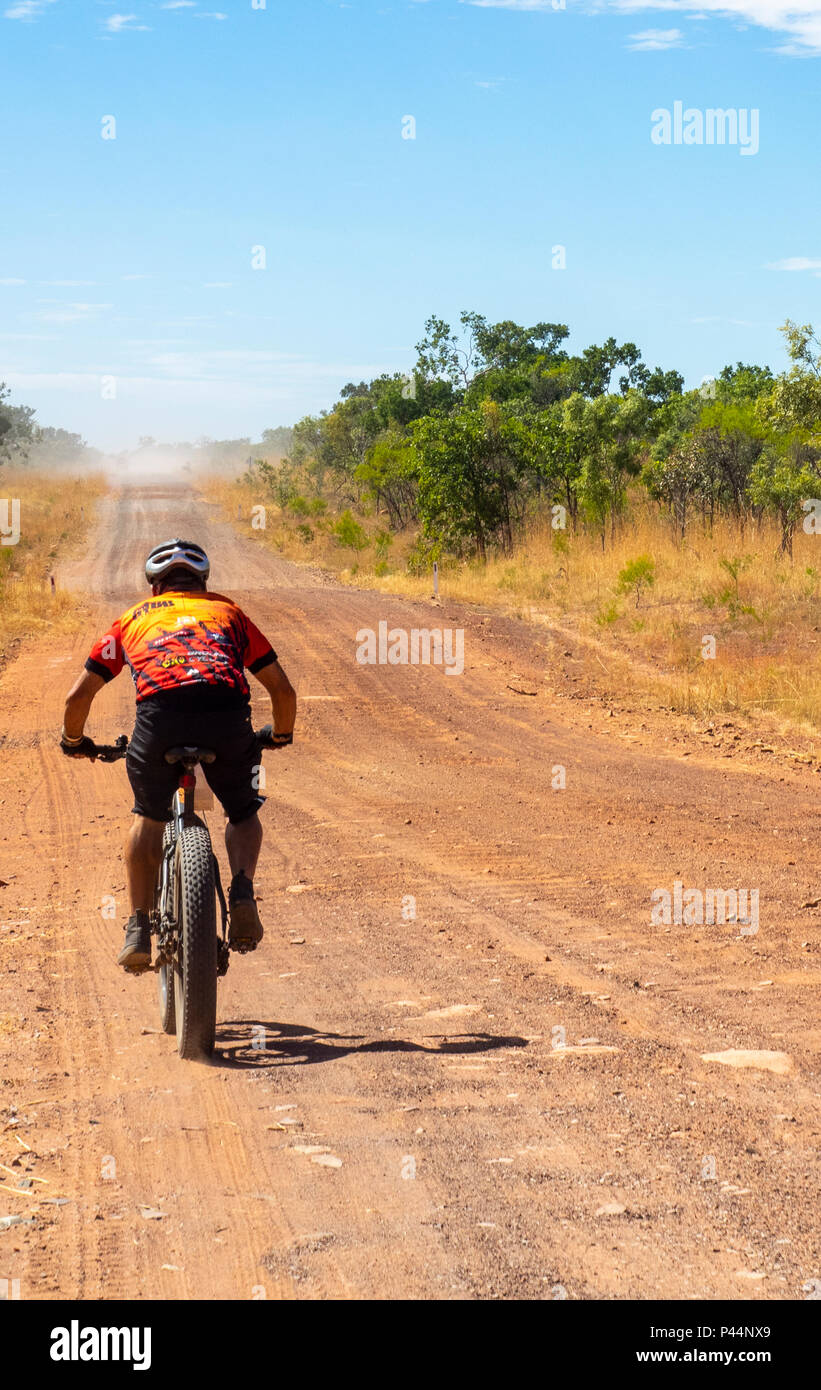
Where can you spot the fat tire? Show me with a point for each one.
(195, 980)
(165, 975)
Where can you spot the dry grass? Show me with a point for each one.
(765, 620)
(287, 535)
(55, 512)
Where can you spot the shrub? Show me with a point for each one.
(637, 575)
(348, 533)
(608, 614)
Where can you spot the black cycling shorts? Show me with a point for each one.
(228, 731)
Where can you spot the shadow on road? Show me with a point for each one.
(252, 1043)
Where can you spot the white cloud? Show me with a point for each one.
(70, 381)
(250, 368)
(11, 281)
(208, 365)
(27, 9)
(278, 383)
(798, 22)
(795, 263)
(179, 5)
(655, 40)
(512, 4)
(64, 312)
(116, 23)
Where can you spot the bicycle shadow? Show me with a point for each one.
(252, 1043)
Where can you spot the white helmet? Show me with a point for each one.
(174, 555)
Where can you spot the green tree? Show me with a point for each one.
(497, 360)
(555, 457)
(793, 407)
(788, 470)
(54, 448)
(16, 429)
(730, 438)
(607, 434)
(279, 440)
(277, 479)
(675, 480)
(468, 465)
(399, 399)
(744, 381)
(389, 476)
(781, 480)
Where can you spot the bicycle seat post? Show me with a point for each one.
(189, 756)
(188, 786)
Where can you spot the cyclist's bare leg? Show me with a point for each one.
(243, 843)
(143, 852)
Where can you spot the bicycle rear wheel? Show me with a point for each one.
(165, 974)
(195, 973)
(167, 998)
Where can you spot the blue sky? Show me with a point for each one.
(239, 127)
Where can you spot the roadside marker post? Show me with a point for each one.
(435, 579)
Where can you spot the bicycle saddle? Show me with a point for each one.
(190, 755)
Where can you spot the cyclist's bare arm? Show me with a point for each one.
(79, 701)
(283, 696)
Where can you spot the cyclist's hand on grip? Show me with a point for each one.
(86, 748)
(266, 738)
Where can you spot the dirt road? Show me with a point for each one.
(391, 1111)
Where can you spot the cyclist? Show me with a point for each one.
(186, 648)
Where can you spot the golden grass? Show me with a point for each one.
(765, 621)
(55, 512)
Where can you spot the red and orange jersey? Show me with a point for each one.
(181, 639)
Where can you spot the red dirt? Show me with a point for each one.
(475, 1157)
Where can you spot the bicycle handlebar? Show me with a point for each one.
(111, 753)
